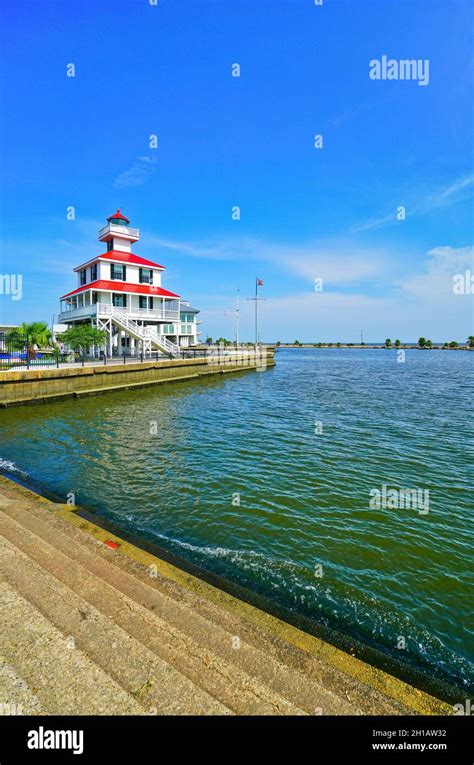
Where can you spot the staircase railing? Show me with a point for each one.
(154, 335)
(145, 333)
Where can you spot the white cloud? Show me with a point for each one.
(335, 262)
(137, 174)
(435, 283)
(451, 194)
(421, 305)
(444, 196)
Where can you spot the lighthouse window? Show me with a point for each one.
(83, 276)
(117, 272)
(146, 276)
(119, 301)
(94, 272)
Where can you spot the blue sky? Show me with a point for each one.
(224, 141)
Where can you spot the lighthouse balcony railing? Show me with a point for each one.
(80, 312)
(163, 313)
(112, 228)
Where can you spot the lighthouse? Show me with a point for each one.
(121, 292)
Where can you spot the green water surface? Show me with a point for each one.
(300, 446)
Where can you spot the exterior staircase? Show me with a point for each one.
(148, 336)
(87, 629)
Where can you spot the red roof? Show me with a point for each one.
(118, 214)
(123, 257)
(113, 286)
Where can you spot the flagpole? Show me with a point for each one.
(256, 299)
(237, 319)
(256, 313)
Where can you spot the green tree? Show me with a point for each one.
(397, 343)
(338, 345)
(16, 341)
(429, 344)
(278, 343)
(422, 342)
(208, 340)
(297, 342)
(470, 341)
(38, 334)
(453, 344)
(388, 343)
(82, 337)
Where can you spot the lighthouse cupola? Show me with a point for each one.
(118, 234)
(118, 219)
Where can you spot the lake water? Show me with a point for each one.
(301, 447)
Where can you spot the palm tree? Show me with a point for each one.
(422, 342)
(470, 341)
(38, 333)
(397, 343)
(388, 343)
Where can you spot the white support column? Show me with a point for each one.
(107, 326)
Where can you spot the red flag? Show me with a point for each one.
(259, 282)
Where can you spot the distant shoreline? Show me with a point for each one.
(369, 346)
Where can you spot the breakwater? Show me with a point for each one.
(40, 385)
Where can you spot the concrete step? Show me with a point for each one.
(267, 674)
(150, 638)
(130, 386)
(16, 696)
(169, 604)
(153, 683)
(59, 680)
(301, 678)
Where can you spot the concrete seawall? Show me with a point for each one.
(39, 385)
